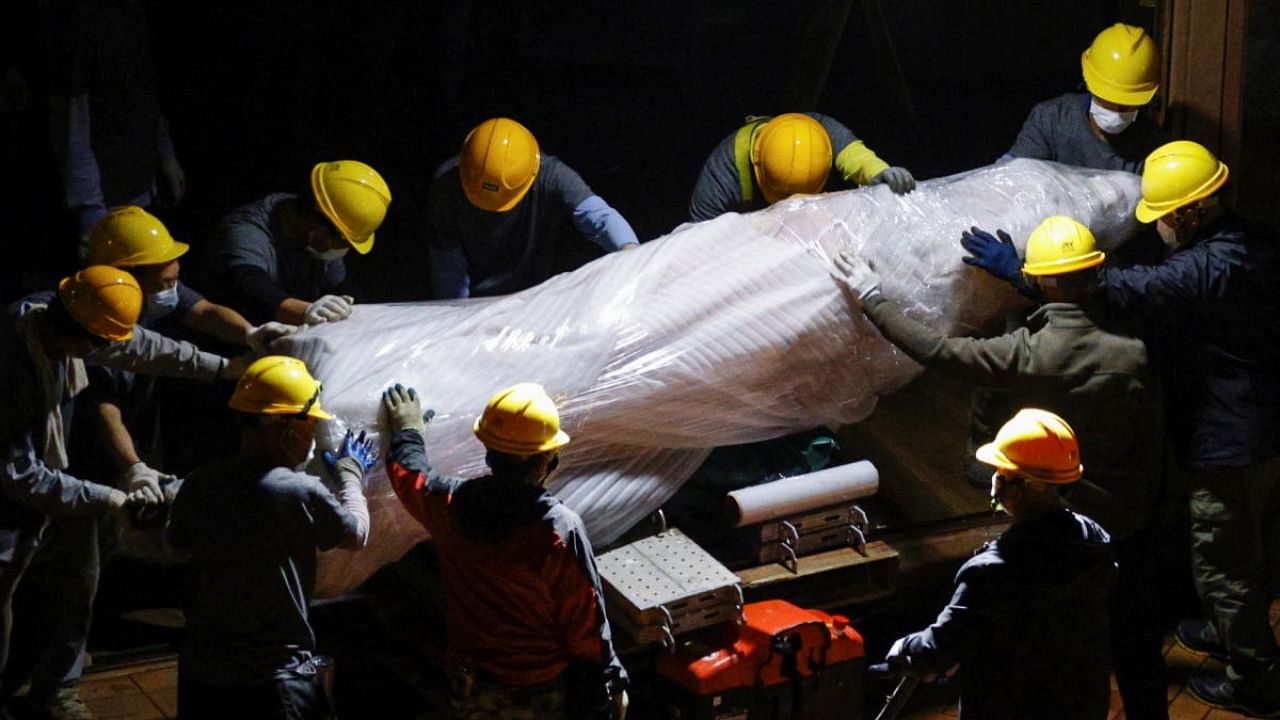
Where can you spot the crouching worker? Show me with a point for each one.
(1027, 624)
(528, 636)
(251, 525)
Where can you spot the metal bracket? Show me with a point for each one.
(659, 518)
(668, 639)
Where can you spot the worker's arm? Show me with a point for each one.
(965, 623)
(1034, 139)
(988, 361)
(116, 438)
(575, 585)
(854, 161)
(1164, 293)
(218, 321)
(151, 353)
(602, 225)
(422, 490)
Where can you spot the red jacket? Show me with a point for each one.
(524, 597)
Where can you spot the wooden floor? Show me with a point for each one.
(149, 691)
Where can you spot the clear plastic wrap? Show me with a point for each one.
(722, 332)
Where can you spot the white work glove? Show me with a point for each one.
(404, 411)
(259, 339)
(898, 179)
(143, 482)
(330, 308)
(856, 275)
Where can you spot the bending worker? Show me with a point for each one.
(45, 343)
(1216, 338)
(526, 616)
(769, 159)
(252, 525)
(281, 258)
(1069, 359)
(1027, 624)
(1105, 127)
(501, 213)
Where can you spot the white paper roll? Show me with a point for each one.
(802, 493)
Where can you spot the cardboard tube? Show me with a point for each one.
(802, 493)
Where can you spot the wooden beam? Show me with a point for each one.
(1203, 86)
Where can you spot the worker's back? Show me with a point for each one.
(1039, 645)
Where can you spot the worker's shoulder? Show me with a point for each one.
(1061, 107)
(254, 216)
(561, 519)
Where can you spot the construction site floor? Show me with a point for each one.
(148, 690)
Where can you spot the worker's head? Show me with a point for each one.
(791, 154)
(498, 164)
(132, 238)
(1180, 184)
(1062, 259)
(1122, 72)
(96, 306)
(351, 201)
(520, 429)
(1033, 453)
(278, 402)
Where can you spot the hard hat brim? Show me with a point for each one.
(1062, 267)
(362, 246)
(560, 439)
(991, 455)
(1147, 212)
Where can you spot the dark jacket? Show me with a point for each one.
(1212, 310)
(1028, 624)
(1065, 362)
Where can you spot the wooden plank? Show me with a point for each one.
(125, 707)
(877, 551)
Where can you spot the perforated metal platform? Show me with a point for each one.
(663, 585)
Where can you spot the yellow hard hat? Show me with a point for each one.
(1060, 245)
(1122, 65)
(278, 385)
(498, 164)
(106, 301)
(1037, 445)
(1177, 174)
(521, 420)
(130, 236)
(354, 197)
(791, 154)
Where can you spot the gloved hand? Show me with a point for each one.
(857, 275)
(143, 482)
(361, 449)
(998, 257)
(259, 339)
(403, 409)
(898, 179)
(330, 308)
(897, 657)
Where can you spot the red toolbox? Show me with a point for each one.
(782, 663)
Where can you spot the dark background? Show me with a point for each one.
(632, 94)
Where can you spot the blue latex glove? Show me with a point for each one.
(997, 256)
(361, 448)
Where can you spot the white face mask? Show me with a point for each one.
(162, 303)
(1111, 122)
(1169, 235)
(327, 255)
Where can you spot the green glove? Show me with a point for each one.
(403, 409)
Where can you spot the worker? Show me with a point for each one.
(526, 615)
(1105, 127)
(281, 258)
(1070, 359)
(501, 213)
(1027, 624)
(251, 526)
(1216, 341)
(111, 140)
(770, 159)
(45, 343)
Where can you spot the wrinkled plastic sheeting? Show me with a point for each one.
(722, 332)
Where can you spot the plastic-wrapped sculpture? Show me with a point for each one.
(722, 332)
